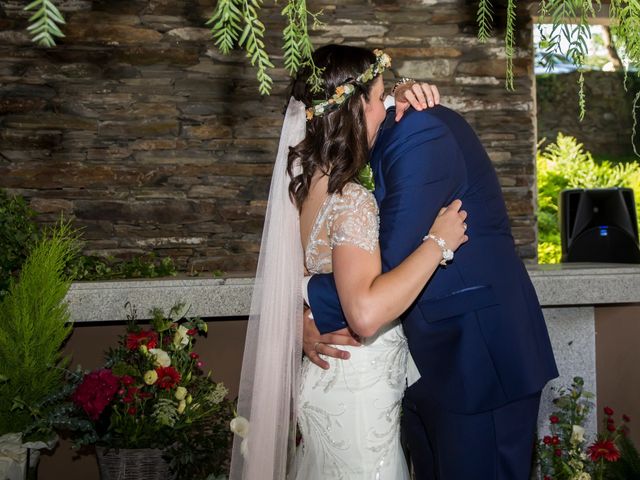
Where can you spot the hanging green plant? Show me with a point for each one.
(237, 24)
(44, 22)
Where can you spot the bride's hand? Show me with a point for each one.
(450, 225)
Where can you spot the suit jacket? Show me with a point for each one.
(476, 332)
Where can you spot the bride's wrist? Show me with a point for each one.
(446, 254)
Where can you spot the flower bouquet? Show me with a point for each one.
(565, 454)
(152, 393)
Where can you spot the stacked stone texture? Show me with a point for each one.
(151, 140)
(607, 127)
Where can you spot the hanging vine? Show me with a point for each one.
(43, 24)
(236, 24)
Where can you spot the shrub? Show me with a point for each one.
(18, 233)
(34, 323)
(565, 164)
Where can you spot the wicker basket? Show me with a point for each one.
(132, 464)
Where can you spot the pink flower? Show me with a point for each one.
(95, 392)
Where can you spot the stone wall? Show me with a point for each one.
(136, 127)
(607, 125)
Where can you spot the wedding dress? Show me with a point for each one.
(349, 415)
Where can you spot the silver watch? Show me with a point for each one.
(447, 253)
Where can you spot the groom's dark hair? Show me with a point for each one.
(335, 143)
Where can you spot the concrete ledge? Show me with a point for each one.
(556, 285)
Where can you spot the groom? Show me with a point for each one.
(476, 333)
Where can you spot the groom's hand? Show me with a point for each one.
(314, 343)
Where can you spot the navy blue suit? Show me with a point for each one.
(476, 332)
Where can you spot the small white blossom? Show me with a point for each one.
(162, 358)
(577, 434)
(240, 426)
(181, 338)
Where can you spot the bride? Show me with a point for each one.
(321, 219)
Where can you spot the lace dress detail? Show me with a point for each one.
(349, 415)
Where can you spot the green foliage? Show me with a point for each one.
(44, 22)
(18, 233)
(226, 23)
(297, 47)
(484, 18)
(98, 268)
(628, 467)
(201, 451)
(565, 164)
(34, 323)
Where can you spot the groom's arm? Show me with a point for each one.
(423, 171)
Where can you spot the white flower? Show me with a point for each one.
(577, 434)
(244, 448)
(582, 476)
(162, 358)
(181, 337)
(181, 393)
(240, 426)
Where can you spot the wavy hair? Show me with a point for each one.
(335, 143)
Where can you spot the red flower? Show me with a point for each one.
(546, 477)
(555, 440)
(192, 331)
(626, 418)
(611, 427)
(610, 420)
(194, 355)
(554, 419)
(199, 364)
(546, 440)
(558, 452)
(604, 449)
(96, 392)
(168, 377)
(143, 337)
(131, 395)
(608, 410)
(127, 380)
(132, 410)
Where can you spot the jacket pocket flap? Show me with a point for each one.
(457, 303)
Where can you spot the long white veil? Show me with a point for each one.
(273, 346)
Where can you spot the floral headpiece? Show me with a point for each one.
(344, 91)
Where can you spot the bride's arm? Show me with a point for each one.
(371, 299)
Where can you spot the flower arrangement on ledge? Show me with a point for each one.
(565, 454)
(153, 393)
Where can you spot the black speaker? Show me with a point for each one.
(599, 225)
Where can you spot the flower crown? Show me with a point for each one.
(344, 91)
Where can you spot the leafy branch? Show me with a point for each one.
(297, 47)
(43, 24)
(227, 32)
(484, 18)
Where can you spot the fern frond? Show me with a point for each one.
(484, 18)
(510, 41)
(43, 24)
(225, 24)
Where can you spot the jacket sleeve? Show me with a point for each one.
(423, 170)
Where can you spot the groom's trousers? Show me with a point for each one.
(493, 445)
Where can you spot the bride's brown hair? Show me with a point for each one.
(335, 143)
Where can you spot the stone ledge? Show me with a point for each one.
(556, 285)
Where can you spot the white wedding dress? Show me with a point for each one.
(349, 415)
